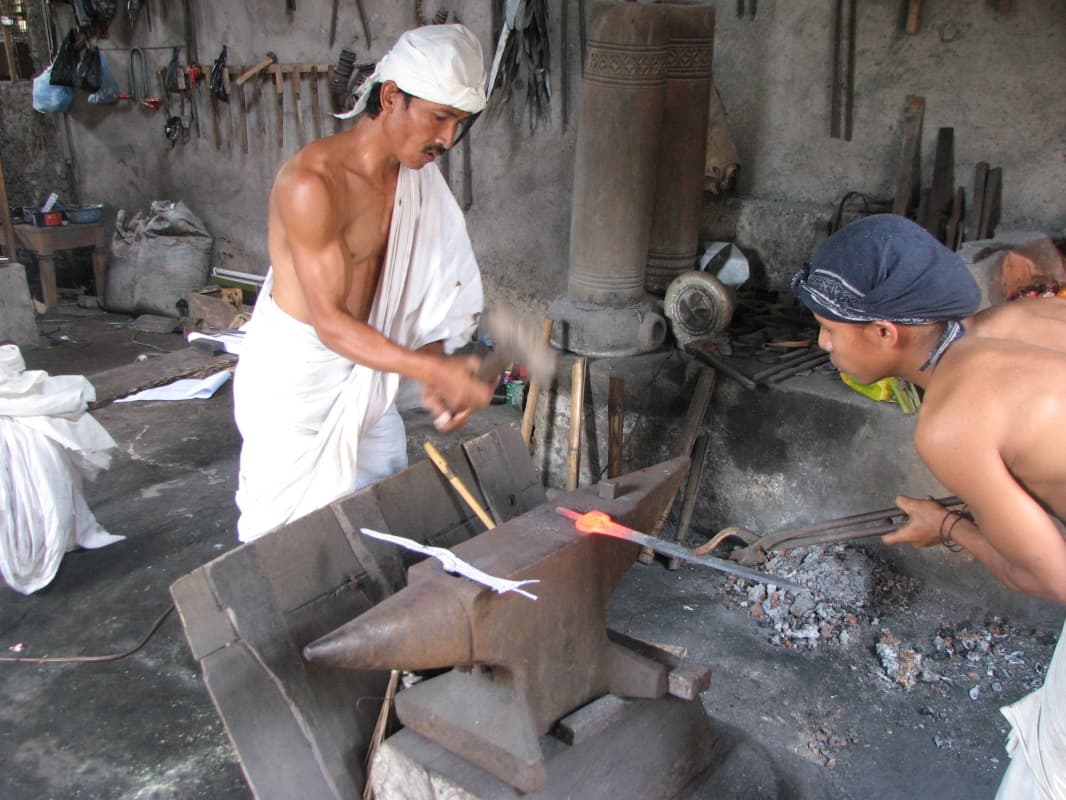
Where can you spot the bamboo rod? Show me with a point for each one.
(441, 463)
(577, 404)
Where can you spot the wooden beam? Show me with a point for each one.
(909, 173)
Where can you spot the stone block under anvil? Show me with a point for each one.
(521, 665)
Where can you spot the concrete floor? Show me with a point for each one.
(144, 726)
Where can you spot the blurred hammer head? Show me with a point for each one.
(517, 340)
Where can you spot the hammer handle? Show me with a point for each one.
(441, 464)
(251, 72)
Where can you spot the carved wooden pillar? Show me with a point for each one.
(606, 311)
(675, 228)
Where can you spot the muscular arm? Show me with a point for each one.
(1012, 535)
(313, 218)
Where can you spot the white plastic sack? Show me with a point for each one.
(48, 444)
(156, 259)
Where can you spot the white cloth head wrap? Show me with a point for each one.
(440, 63)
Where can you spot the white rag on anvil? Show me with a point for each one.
(48, 445)
(1037, 742)
(455, 565)
(317, 426)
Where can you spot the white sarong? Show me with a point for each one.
(317, 426)
(1037, 742)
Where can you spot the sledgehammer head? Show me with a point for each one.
(516, 340)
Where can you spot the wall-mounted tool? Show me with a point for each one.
(294, 79)
(333, 22)
(254, 70)
(316, 109)
(842, 101)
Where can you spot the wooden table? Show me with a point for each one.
(46, 242)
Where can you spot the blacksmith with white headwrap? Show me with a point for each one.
(372, 280)
(891, 300)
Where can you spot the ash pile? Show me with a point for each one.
(846, 590)
(988, 654)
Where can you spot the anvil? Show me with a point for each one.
(520, 665)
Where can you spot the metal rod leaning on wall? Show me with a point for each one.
(577, 405)
(690, 440)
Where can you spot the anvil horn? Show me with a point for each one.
(419, 629)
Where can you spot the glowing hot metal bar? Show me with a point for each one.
(601, 523)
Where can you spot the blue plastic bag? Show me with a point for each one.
(108, 92)
(49, 99)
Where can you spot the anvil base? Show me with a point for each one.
(652, 751)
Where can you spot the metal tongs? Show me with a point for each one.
(857, 526)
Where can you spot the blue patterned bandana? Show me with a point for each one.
(885, 267)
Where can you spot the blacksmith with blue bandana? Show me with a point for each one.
(892, 301)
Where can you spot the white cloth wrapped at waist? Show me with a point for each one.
(305, 411)
(1037, 742)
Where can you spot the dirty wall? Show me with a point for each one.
(987, 74)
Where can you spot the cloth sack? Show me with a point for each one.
(49, 445)
(156, 258)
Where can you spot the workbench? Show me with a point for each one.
(45, 242)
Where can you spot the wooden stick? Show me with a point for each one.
(379, 730)
(5, 218)
(533, 395)
(914, 16)
(980, 180)
(439, 461)
(577, 404)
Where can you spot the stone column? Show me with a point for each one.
(682, 153)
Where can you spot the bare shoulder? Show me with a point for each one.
(1035, 321)
(309, 177)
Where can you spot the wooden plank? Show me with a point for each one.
(206, 626)
(980, 180)
(278, 758)
(312, 558)
(958, 211)
(909, 172)
(130, 378)
(990, 211)
(5, 218)
(943, 186)
(419, 503)
(383, 561)
(505, 473)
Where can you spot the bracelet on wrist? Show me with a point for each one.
(956, 517)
